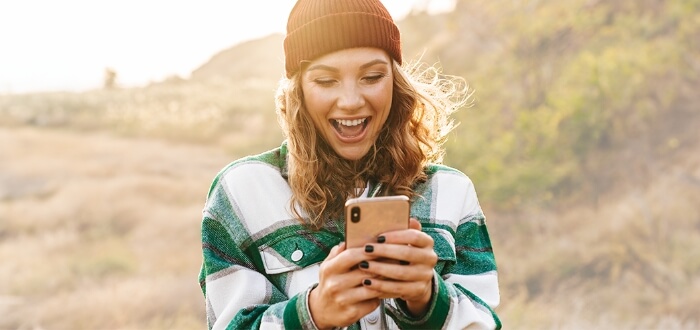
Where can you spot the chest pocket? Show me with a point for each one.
(296, 250)
(444, 246)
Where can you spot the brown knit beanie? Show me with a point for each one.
(318, 27)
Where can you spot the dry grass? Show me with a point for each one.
(97, 230)
(631, 263)
(211, 112)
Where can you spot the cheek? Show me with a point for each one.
(315, 102)
(387, 92)
(317, 109)
(382, 101)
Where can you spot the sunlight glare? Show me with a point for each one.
(67, 45)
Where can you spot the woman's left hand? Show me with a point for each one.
(409, 279)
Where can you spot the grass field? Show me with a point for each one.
(99, 231)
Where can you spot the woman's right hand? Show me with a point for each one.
(340, 299)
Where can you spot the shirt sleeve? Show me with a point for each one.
(237, 295)
(465, 289)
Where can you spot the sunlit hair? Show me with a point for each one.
(412, 137)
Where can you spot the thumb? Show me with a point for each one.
(414, 224)
(335, 251)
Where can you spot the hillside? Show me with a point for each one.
(260, 59)
(582, 142)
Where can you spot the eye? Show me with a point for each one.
(374, 78)
(324, 82)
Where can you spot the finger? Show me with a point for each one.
(399, 272)
(407, 237)
(404, 254)
(413, 223)
(341, 261)
(358, 293)
(335, 251)
(347, 289)
(342, 284)
(400, 289)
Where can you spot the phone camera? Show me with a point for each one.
(355, 214)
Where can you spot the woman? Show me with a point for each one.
(357, 124)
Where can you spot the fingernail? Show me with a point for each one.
(369, 248)
(367, 282)
(404, 262)
(364, 264)
(381, 239)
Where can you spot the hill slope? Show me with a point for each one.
(261, 59)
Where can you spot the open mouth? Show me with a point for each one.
(350, 128)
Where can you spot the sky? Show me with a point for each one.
(50, 45)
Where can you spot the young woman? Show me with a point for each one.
(357, 124)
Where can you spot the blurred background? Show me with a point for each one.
(582, 141)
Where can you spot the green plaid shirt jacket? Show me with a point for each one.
(259, 263)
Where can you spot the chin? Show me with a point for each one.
(352, 153)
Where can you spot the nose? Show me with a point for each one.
(350, 97)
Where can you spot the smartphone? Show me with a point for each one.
(366, 218)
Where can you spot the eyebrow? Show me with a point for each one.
(333, 69)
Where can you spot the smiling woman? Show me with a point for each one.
(348, 97)
(359, 123)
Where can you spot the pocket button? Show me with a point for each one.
(297, 255)
(373, 317)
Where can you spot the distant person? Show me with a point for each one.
(357, 123)
(110, 78)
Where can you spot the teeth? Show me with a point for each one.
(349, 123)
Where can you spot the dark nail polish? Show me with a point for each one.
(404, 262)
(381, 239)
(367, 282)
(364, 264)
(369, 248)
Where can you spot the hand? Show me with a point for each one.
(340, 299)
(412, 278)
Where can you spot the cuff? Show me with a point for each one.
(434, 318)
(297, 314)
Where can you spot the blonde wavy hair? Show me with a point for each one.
(412, 137)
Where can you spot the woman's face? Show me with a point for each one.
(348, 96)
